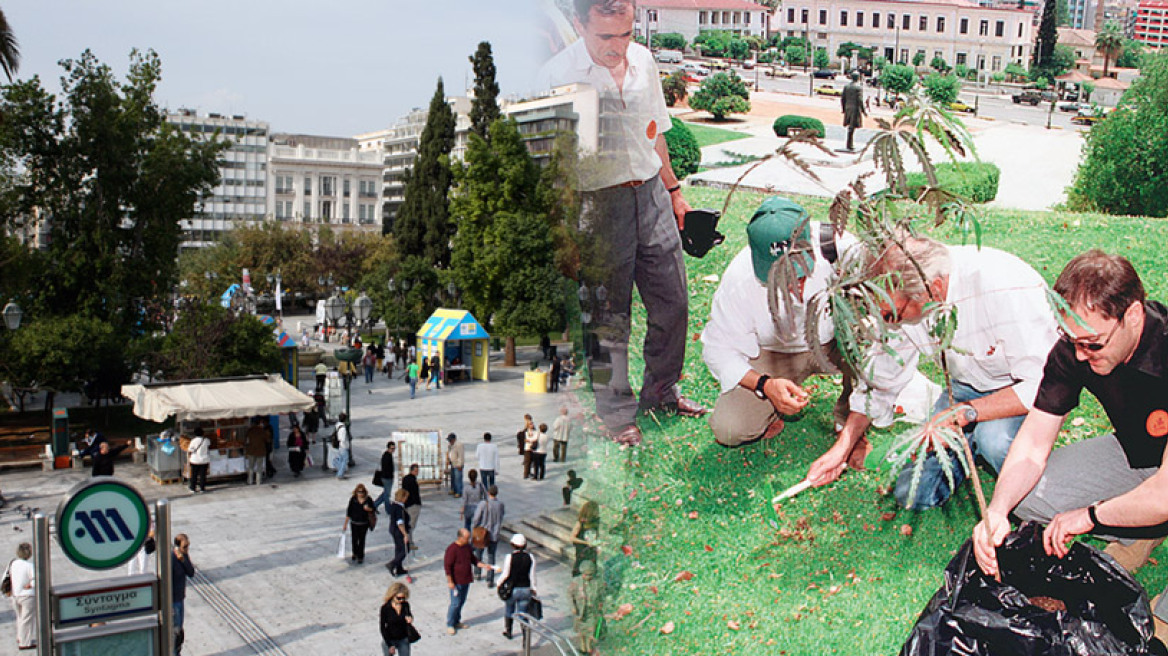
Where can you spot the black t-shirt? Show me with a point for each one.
(1134, 394)
(358, 512)
(410, 484)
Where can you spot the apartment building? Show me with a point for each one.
(1152, 23)
(325, 180)
(960, 32)
(568, 109)
(691, 17)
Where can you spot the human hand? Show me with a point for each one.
(680, 207)
(450, 584)
(987, 537)
(1063, 528)
(787, 397)
(828, 466)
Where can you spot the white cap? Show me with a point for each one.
(518, 540)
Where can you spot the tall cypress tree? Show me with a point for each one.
(423, 224)
(484, 108)
(1047, 35)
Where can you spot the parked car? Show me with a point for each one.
(824, 74)
(748, 64)
(1086, 119)
(960, 107)
(775, 71)
(1034, 96)
(695, 69)
(669, 56)
(827, 90)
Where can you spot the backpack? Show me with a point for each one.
(334, 441)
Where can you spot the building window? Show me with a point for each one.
(714, 18)
(981, 62)
(997, 63)
(703, 16)
(940, 24)
(307, 210)
(859, 19)
(326, 210)
(924, 24)
(790, 14)
(652, 15)
(805, 17)
(875, 19)
(961, 58)
(326, 185)
(891, 20)
(345, 211)
(903, 55)
(347, 185)
(889, 54)
(746, 18)
(844, 18)
(921, 53)
(737, 17)
(725, 17)
(1000, 28)
(1020, 30)
(963, 27)
(307, 186)
(905, 22)
(983, 29)
(823, 17)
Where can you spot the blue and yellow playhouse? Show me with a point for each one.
(459, 341)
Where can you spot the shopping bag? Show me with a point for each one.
(535, 608)
(308, 458)
(341, 547)
(1083, 604)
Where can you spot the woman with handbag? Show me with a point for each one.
(361, 515)
(297, 450)
(397, 622)
(199, 452)
(517, 581)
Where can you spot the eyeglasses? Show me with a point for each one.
(1093, 347)
(399, 598)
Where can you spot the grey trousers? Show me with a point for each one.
(739, 416)
(630, 236)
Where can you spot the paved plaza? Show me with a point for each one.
(270, 579)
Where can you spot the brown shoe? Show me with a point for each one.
(859, 453)
(682, 407)
(1132, 556)
(628, 436)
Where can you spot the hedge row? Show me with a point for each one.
(783, 124)
(974, 181)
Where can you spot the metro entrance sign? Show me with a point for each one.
(102, 523)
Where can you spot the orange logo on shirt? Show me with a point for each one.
(651, 130)
(1158, 423)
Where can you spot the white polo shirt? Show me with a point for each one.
(630, 117)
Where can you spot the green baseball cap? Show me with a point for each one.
(771, 233)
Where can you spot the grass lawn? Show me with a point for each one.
(691, 539)
(708, 136)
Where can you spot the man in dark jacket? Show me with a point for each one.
(413, 501)
(386, 471)
(181, 569)
(103, 460)
(852, 101)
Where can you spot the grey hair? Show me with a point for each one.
(24, 551)
(910, 258)
(603, 7)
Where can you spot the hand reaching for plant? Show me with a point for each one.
(830, 465)
(787, 397)
(987, 537)
(1063, 528)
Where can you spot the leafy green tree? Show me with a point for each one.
(1062, 14)
(1109, 41)
(423, 223)
(919, 58)
(846, 49)
(684, 152)
(1088, 88)
(962, 71)
(738, 49)
(941, 89)
(714, 43)
(9, 50)
(209, 341)
(794, 55)
(898, 78)
(938, 64)
(879, 63)
(113, 177)
(674, 87)
(484, 108)
(864, 54)
(821, 60)
(1131, 55)
(1047, 35)
(1013, 71)
(669, 41)
(63, 354)
(998, 77)
(722, 94)
(1125, 158)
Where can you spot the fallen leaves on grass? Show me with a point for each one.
(693, 514)
(888, 516)
(627, 550)
(667, 628)
(620, 613)
(906, 530)
(685, 575)
(733, 625)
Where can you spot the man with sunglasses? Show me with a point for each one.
(1112, 486)
(1003, 333)
(759, 355)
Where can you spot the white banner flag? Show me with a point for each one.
(279, 306)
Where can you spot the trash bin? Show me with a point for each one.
(61, 446)
(535, 382)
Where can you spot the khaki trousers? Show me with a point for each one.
(740, 417)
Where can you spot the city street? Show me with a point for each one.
(269, 580)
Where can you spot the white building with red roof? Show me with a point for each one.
(958, 31)
(692, 17)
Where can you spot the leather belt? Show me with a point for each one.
(632, 183)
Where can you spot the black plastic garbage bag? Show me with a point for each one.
(1106, 612)
(701, 232)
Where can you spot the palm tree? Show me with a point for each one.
(1109, 41)
(9, 51)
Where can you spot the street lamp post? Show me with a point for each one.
(12, 315)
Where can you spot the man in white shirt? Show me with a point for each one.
(631, 210)
(761, 359)
(488, 456)
(561, 429)
(1005, 329)
(456, 459)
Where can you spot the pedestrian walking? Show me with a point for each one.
(361, 516)
(561, 429)
(255, 449)
(385, 475)
(539, 454)
(488, 456)
(413, 501)
(343, 444)
(321, 371)
(519, 571)
(199, 450)
(369, 362)
(412, 373)
(103, 460)
(269, 468)
(426, 372)
(459, 563)
(181, 569)
(399, 531)
(22, 574)
(396, 620)
(297, 450)
(456, 460)
(435, 372)
(471, 496)
(379, 351)
(138, 562)
(488, 515)
(412, 352)
(554, 376)
(527, 439)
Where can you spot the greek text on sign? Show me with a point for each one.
(106, 603)
(102, 523)
(466, 329)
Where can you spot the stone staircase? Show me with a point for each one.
(550, 533)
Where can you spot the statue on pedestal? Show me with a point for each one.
(853, 105)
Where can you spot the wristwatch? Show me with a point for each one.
(969, 414)
(760, 387)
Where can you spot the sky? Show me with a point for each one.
(337, 68)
